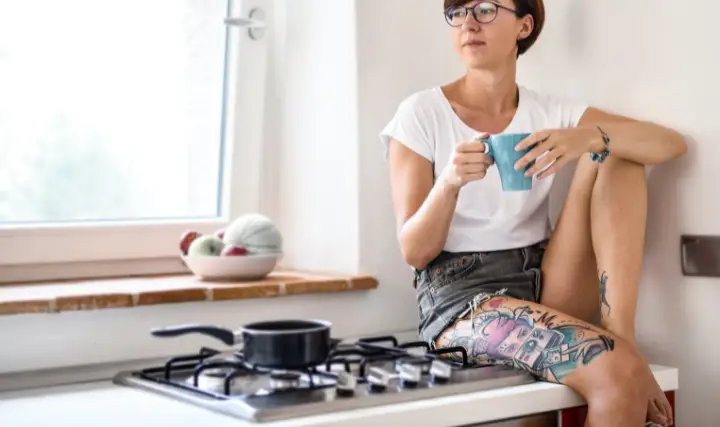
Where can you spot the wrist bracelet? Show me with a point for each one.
(600, 158)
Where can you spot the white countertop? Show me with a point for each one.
(104, 404)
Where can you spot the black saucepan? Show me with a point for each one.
(278, 344)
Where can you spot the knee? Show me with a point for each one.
(617, 165)
(624, 378)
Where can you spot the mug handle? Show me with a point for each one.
(488, 149)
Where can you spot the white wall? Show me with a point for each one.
(316, 66)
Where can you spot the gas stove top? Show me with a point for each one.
(368, 372)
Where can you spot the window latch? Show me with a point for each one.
(255, 23)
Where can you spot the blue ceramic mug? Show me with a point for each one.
(502, 149)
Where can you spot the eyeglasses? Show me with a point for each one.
(484, 13)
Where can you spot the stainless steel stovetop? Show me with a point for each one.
(361, 374)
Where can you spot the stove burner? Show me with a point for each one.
(282, 381)
(214, 374)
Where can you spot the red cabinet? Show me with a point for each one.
(575, 417)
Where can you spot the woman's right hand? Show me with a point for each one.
(468, 163)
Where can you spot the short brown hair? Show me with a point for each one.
(536, 8)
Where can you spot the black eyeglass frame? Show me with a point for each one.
(471, 10)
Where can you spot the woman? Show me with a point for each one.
(490, 275)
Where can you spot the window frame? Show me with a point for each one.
(48, 251)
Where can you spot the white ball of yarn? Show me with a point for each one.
(256, 232)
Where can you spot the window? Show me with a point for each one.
(123, 124)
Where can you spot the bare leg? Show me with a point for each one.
(572, 287)
(604, 217)
(607, 371)
(618, 218)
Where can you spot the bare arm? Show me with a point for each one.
(423, 211)
(641, 142)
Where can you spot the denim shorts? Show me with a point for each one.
(446, 288)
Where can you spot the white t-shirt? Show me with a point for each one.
(486, 218)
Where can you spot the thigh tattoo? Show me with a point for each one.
(528, 338)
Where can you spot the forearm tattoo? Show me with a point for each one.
(526, 338)
(604, 304)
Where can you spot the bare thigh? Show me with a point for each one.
(570, 282)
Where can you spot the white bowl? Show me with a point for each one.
(248, 267)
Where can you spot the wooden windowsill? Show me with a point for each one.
(56, 297)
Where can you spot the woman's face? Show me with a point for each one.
(491, 39)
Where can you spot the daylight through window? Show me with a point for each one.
(111, 110)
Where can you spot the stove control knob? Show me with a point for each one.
(440, 371)
(345, 384)
(410, 374)
(378, 379)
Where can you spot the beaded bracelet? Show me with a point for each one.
(600, 158)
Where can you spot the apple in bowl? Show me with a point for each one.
(234, 250)
(206, 245)
(186, 240)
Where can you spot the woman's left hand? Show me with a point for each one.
(561, 145)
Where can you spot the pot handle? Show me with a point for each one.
(225, 335)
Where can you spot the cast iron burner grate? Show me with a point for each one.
(364, 373)
(352, 358)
